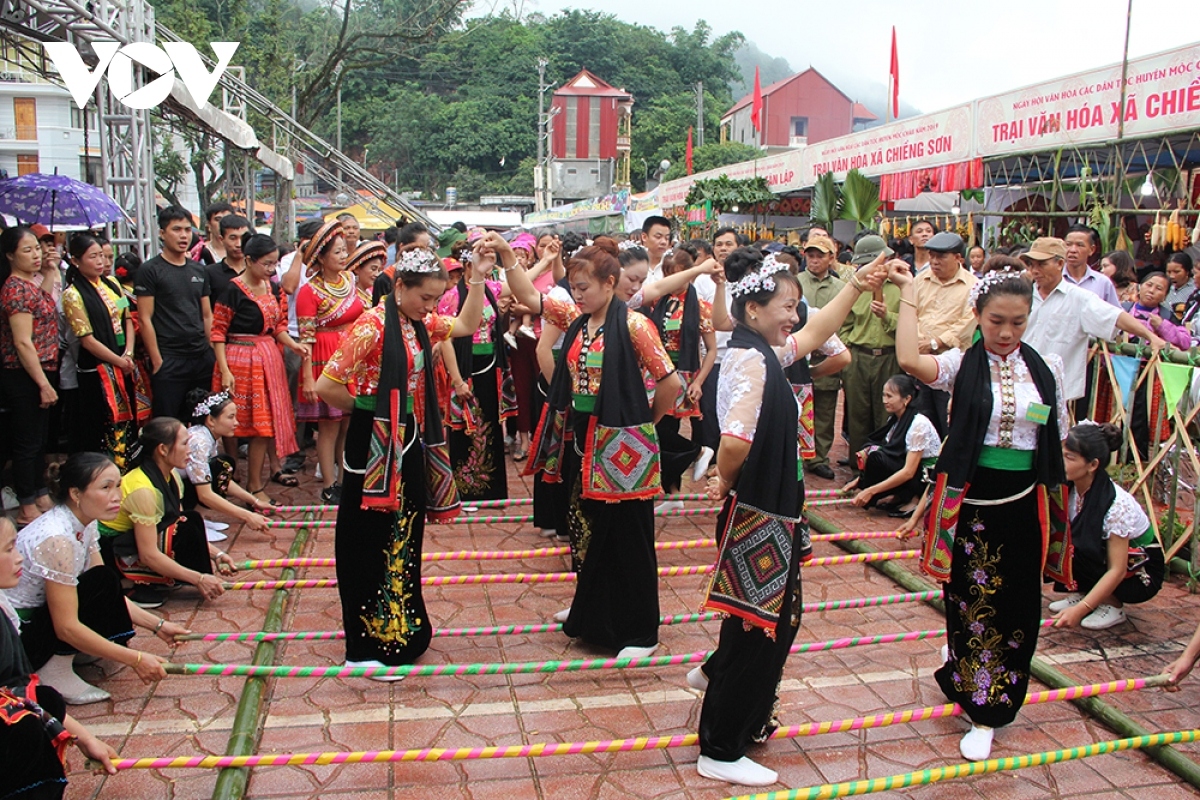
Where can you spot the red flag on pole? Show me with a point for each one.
(689, 152)
(756, 108)
(894, 72)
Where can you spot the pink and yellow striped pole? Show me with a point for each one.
(500, 630)
(562, 577)
(629, 745)
(547, 552)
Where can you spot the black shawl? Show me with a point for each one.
(897, 428)
(689, 329)
(463, 353)
(973, 410)
(167, 487)
(768, 480)
(1087, 527)
(15, 668)
(621, 401)
(99, 318)
(799, 373)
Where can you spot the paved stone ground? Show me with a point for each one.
(185, 716)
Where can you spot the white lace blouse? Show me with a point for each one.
(1013, 429)
(1124, 518)
(924, 437)
(56, 548)
(740, 385)
(202, 448)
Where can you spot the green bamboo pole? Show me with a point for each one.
(243, 738)
(1172, 759)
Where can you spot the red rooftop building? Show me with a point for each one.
(589, 138)
(800, 110)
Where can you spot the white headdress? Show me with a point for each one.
(419, 259)
(204, 407)
(988, 282)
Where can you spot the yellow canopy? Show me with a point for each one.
(368, 218)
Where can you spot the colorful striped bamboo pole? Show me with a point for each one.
(600, 746)
(501, 630)
(935, 774)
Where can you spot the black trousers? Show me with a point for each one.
(178, 375)
(30, 425)
(675, 453)
(101, 607)
(706, 431)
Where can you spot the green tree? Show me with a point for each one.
(712, 156)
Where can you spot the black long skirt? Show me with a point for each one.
(745, 670)
(676, 452)
(879, 467)
(480, 471)
(91, 430)
(102, 608)
(549, 499)
(612, 547)
(379, 557)
(32, 769)
(993, 599)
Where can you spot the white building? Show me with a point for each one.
(41, 129)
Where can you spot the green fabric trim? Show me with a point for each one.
(483, 348)
(370, 402)
(1145, 539)
(1006, 458)
(585, 403)
(928, 462)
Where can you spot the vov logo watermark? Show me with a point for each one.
(118, 60)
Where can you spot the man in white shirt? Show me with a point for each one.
(656, 238)
(1064, 315)
(1081, 246)
(724, 243)
(921, 232)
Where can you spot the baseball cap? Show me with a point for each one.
(868, 248)
(820, 242)
(1045, 248)
(40, 231)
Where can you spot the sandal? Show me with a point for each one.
(520, 455)
(261, 494)
(285, 479)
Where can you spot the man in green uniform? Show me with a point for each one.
(821, 285)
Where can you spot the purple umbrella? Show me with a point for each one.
(56, 200)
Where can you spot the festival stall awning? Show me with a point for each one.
(377, 216)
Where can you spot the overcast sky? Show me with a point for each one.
(950, 52)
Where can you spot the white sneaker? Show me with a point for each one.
(945, 653)
(527, 332)
(1062, 605)
(561, 616)
(59, 673)
(637, 652)
(976, 745)
(702, 462)
(212, 531)
(743, 771)
(511, 340)
(318, 474)
(1105, 616)
(697, 679)
(668, 505)
(549, 533)
(377, 665)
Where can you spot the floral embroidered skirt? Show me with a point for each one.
(612, 549)
(480, 469)
(379, 558)
(993, 599)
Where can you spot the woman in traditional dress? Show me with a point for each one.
(598, 434)
(1116, 559)
(151, 542)
(68, 600)
(760, 529)
(35, 728)
(326, 307)
(892, 461)
(1001, 463)
(365, 263)
(249, 325)
(683, 321)
(107, 414)
(397, 462)
(482, 399)
(29, 361)
(209, 475)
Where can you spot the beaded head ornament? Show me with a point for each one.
(983, 286)
(204, 407)
(419, 259)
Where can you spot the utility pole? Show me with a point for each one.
(540, 174)
(699, 113)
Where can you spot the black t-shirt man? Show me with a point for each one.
(220, 275)
(177, 292)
